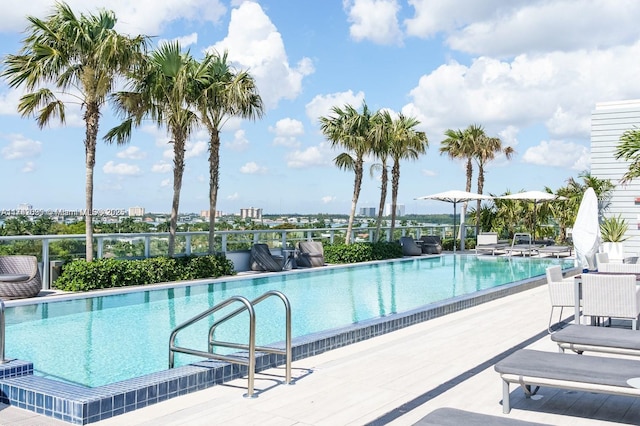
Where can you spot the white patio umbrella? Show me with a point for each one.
(455, 197)
(586, 229)
(535, 196)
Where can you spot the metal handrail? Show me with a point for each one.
(251, 347)
(286, 352)
(250, 363)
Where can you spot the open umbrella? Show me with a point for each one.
(586, 229)
(455, 197)
(536, 197)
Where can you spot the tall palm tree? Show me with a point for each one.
(351, 130)
(163, 90)
(485, 150)
(380, 149)
(459, 145)
(222, 93)
(629, 150)
(81, 57)
(405, 143)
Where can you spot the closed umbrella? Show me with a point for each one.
(586, 230)
(455, 197)
(536, 197)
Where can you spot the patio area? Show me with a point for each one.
(394, 379)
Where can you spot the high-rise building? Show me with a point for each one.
(251, 213)
(399, 210)
(368, 211)
(25, 207)
(136, 211)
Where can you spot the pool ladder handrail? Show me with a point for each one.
(251, 347)
(3, 360)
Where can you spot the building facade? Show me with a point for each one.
(251, 213)
(368, 211)
(136, 211)
(399, 210)
(609, 121)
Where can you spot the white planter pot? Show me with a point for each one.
(615, 251)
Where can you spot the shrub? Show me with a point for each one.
(361, 252)
(80, 275)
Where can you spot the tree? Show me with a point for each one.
(82, 57)
(380, 149)
(351, 130)
(629, 150)
(222, 93)
(163, 90)
(485, 150)
(405, 143)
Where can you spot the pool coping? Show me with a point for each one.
(82, 405)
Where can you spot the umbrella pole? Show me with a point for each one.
(454, 226)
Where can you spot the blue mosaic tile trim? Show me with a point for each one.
(81, 405)
(15, 368)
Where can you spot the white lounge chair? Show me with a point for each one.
(613, 296)
(561, 291)
(583, 338)
(487, 242)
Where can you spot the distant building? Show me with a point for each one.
(251, 213)
(205, 213)
(25, 207)
(368, 211)
(399, 210)
(136, 211)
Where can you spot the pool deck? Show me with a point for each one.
(395, 379)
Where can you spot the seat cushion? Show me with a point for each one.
(12, 278)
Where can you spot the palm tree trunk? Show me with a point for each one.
(395, 183)
(354, 201)
(178, 170)
(463, 232)
(214, 178)
(92, 115)
(383, 198)
(480, 189)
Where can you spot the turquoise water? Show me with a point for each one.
(101, 340)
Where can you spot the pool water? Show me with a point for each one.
(95, 341)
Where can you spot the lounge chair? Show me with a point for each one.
(555, 250)
(583, 338)
(431, 244)
(409, 247)
(561, 292)
(453, 417)
(262, 259)
(19, 277)
(522, 244)
(613, 296)
(487, 242)
(598, 374)
(311, 254)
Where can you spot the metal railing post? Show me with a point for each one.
(3, 360)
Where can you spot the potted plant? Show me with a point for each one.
(613, 230)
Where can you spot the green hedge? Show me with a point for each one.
(361, 252)
(469, 244)
(80, 275)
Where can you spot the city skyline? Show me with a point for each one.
(521, 69)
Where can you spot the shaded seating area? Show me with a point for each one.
(310, 254)
(431, 244)
(263, 261)
(409, 247)
(19, 277)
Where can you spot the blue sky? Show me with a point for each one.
(529, 71)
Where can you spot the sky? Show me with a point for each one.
(529, 71)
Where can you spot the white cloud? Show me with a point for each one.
(132, 153)
(328, 199)
(121, 169)
(252, 168)
(162, 167)
(254, 43)
(233, 196)
(239, 142)
(558, 154)
(21, 147)
(196, 149)
(320, 105)
(165, 183)
(28, 167)
(184, 41)
(319, 155)
(287, 132)
(374, 20)
(428, 173)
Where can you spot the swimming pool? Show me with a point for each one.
(102, 340)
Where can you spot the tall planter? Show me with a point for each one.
(613, 230)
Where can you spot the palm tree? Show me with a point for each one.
(349, 129)
(222, 93)
(82, 57)
(405, 143)
(485, 150)
(163, 90)
(629, 150)
(380, 150)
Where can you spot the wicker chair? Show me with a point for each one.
(613, 296)
(561, 292)
(311, 254)
(19, 277)
(263, 260)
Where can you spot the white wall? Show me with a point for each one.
(609, 121)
